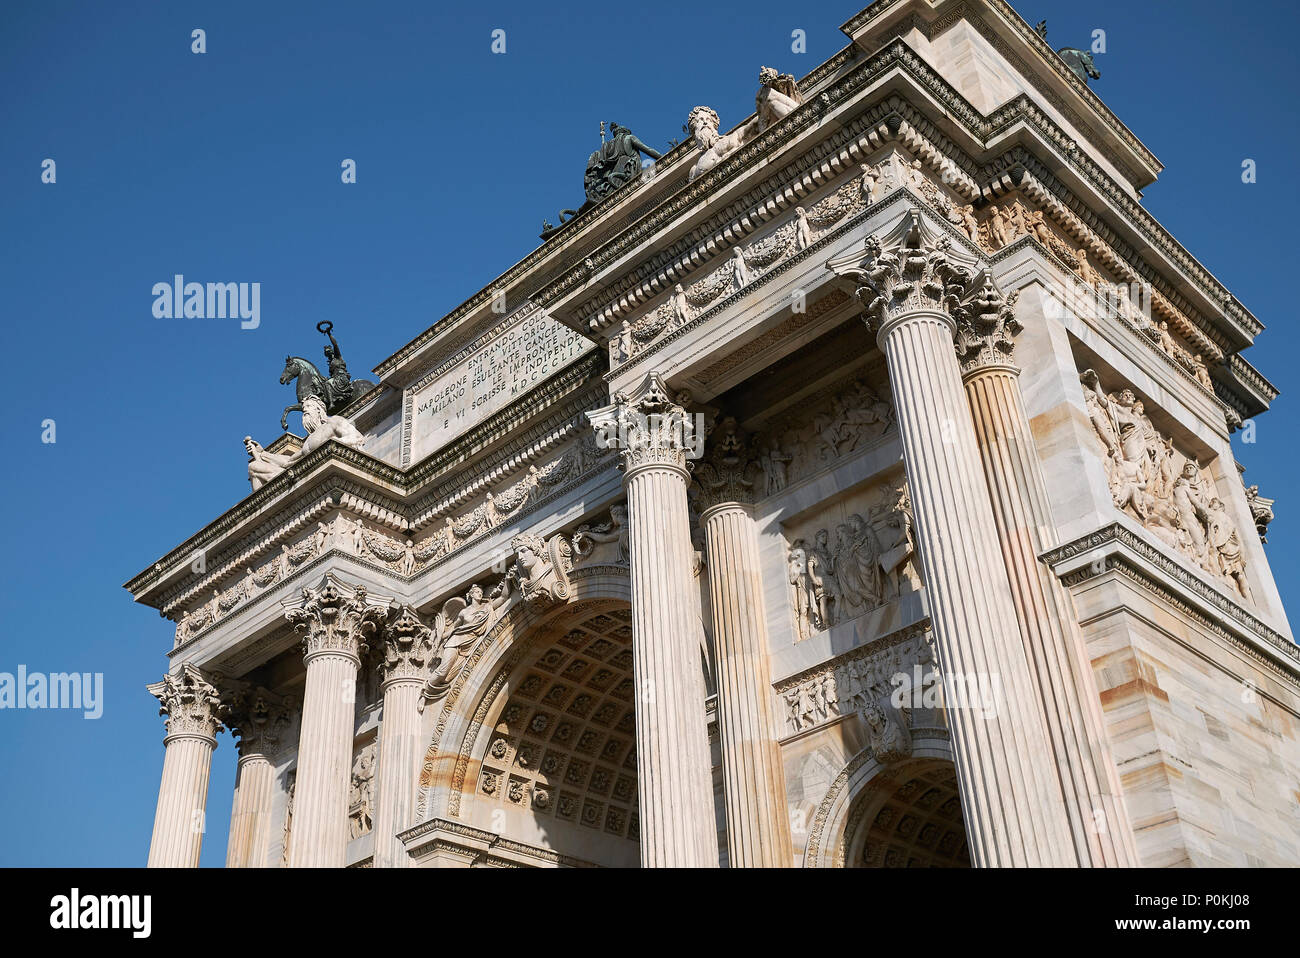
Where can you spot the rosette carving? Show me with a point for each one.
(190, 702)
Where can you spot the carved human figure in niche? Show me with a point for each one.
(775, 464)
(739, 270)
(965, 217)
(1202, 373)
(998, 234)
(805, 601)
(678, 308)
(893, 522)
(616, 530)
(1037, 226)
(1086, 272)
(870, 183)
(821, 574)
(802, 231)
(1223, 537)
(461, 623)
(1193, 507)
(886, 735)
(360, 794)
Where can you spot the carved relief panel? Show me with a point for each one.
(826, 428)
(850, 557)
(1169, 492)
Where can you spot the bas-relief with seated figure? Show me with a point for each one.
(704, 550)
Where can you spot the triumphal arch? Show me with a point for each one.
(852, 487)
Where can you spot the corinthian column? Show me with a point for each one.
(1009, 791)
(674, 777)
(193, 709)
(1063, 679)
(407, 646)
(336, 626)
(258, 717)
(758, 826)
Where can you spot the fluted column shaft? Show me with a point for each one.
(250, 816)
(399, 760)
(194, 717)
(179, 822)
(758, 826)
(1014, 813)
(320, 812)
(674, 773)
(675, 780)
(1054, 645)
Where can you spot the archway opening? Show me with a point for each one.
(559, 764)
(909, 816)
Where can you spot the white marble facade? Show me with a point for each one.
(866, 504)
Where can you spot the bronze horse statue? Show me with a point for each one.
(1080, 61)
(334, 391)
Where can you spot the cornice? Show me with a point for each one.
(442, 833)
(881, 123)
(948, 15)
(391, 499)
(1139, 559)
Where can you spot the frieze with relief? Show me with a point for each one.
(1168, 492)
(408, 556)
(844, 566)
(838, 424)
(1004, 223)
(854, 682)
(747, 263)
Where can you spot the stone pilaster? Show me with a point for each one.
(1010, 795)
(1064, 682)
(408, 643)
(758, 824)
(258, 718)
(336, 624)
(675, 782)
(194, 717)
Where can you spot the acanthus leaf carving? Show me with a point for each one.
(727, 471)
(648, 426)
(258, 717)
(911, 268)
(338, 619)
(190, 702)
(986, 325)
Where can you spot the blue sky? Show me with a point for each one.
(225, 167)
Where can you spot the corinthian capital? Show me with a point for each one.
(334, 617)
(258, 717)
(726, 473)
(190, 702)
(649, 426)
(912, 268)
(408, 645)
(986, 325)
